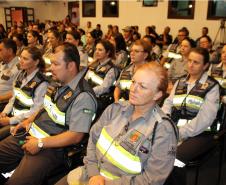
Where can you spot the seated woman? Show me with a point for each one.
(91, 40)
(193, 104)
(120, 47)
(178, 67)
(29, 89)
(133, 142)
(33, 39)
(102, 73)
(139, 54)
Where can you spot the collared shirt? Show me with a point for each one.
(159, 156)
(121, 59)
(8, 74)
(206, 114)
(178, 68)
(37, 99)
(108, 80)
(129, 69)
(77, 118)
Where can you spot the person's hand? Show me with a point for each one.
(24, 124)
(97, 180)
(4, 121)
(31, 145)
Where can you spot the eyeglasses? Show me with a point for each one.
(135, 51)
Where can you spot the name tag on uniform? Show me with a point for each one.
(68, 95)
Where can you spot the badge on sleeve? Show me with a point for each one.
(68, 95)
(33, 84)
(204, 86)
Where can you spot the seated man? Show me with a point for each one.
(66, 116)
(133, 142)
(193, 104)
(8, 70)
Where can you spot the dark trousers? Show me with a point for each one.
(4, 132)
(30, 169)
(2, 106)
(189, 150)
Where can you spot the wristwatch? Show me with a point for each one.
(40, 144)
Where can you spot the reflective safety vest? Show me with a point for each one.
(96, 75)
(125, 81)
(51, 120)
(186, 106)
(217, 73)
(117, 155)
(24, 96)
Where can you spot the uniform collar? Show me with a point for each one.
(74, 82)
(128, 109)
(202, 80)
(105, 62)
(220, 65)
(30, 76)
(12, 62)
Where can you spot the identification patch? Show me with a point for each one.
(135, 136)
(33, 84)
(132, 141)
(68, 95)
(204, 86)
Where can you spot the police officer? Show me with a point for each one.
(139, 54)
(193, 105)
(133, 142)
(103, 73)
(29, 89)
(66, 116)
(9, 70)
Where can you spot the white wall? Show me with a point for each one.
(131, 12)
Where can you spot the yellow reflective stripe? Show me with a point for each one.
(95, 78)
(22, 97)
(35, 131)
(117, 155)
(108, 175)
(174, 55)
(47, 60)
(167, 65)
(221, 81)
(53, 112)
(17, 112)
(125, 84)
(191, 101)
(182, 122)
